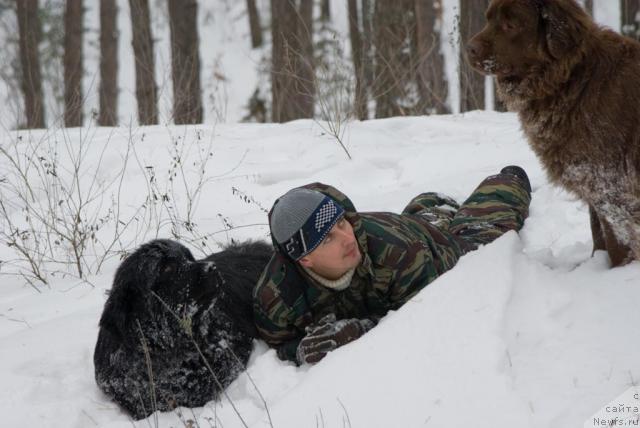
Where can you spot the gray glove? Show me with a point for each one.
(329, 334)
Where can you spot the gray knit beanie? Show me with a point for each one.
(300, 220)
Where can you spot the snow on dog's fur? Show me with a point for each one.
(576, 88)
(163, 303)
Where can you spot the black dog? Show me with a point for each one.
(165, 312)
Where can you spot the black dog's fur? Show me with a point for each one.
(164, 302)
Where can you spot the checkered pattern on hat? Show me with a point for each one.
(325, 214)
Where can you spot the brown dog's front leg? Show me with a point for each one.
(619, 253)
(596, 231)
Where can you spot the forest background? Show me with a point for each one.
(142, 62)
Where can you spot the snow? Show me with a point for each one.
(529, 331)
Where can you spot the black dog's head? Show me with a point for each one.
(188, 322)
(161, 276)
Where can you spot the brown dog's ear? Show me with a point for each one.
(565, 24)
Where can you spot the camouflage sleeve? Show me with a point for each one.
(415, 270)
(272, 317)
(411, 249)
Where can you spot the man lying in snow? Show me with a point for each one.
(336, 272)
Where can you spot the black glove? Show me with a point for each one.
(329, 334)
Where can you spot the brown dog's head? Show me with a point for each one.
(524, 38)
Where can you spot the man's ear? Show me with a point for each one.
(306, 262)
(563, 26)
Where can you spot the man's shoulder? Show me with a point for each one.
(277, 285)
(391, 228)
(389, 237)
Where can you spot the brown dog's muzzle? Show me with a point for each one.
(479, 55)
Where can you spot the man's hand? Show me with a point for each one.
(329, 334)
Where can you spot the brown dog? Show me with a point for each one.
(576, 88)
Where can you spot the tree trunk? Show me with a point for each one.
(498, 105)
(292, 74)
(629, 15)
(432, 79)
(360, 102)
(393, 68)
(185, 61)
(588, 6)
(367, 48)
(325, 10)
(384, 81)
(29, 29)
(471, 82)
(73, 32)
(277, 59)
(146, 90)
(306, 83)
(108, 64)
(254, 24)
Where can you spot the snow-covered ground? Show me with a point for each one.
(530, 331)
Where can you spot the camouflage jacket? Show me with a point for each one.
(402, 253)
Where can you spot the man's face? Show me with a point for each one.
(337, 253)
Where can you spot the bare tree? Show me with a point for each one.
(471, 82)
(367, 13)
(630, 17)
(588, 6)
(185, 61)
(108, 64)
(292, 70)
(394, 31)
(305, 84)
(280, 13)
(498, 105)
(357, 53)
(146, 90)
(254, 24)
(431, 73)
(30, 29)
(73, 32)
(325, 10)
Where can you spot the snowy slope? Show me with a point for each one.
(530, 331)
